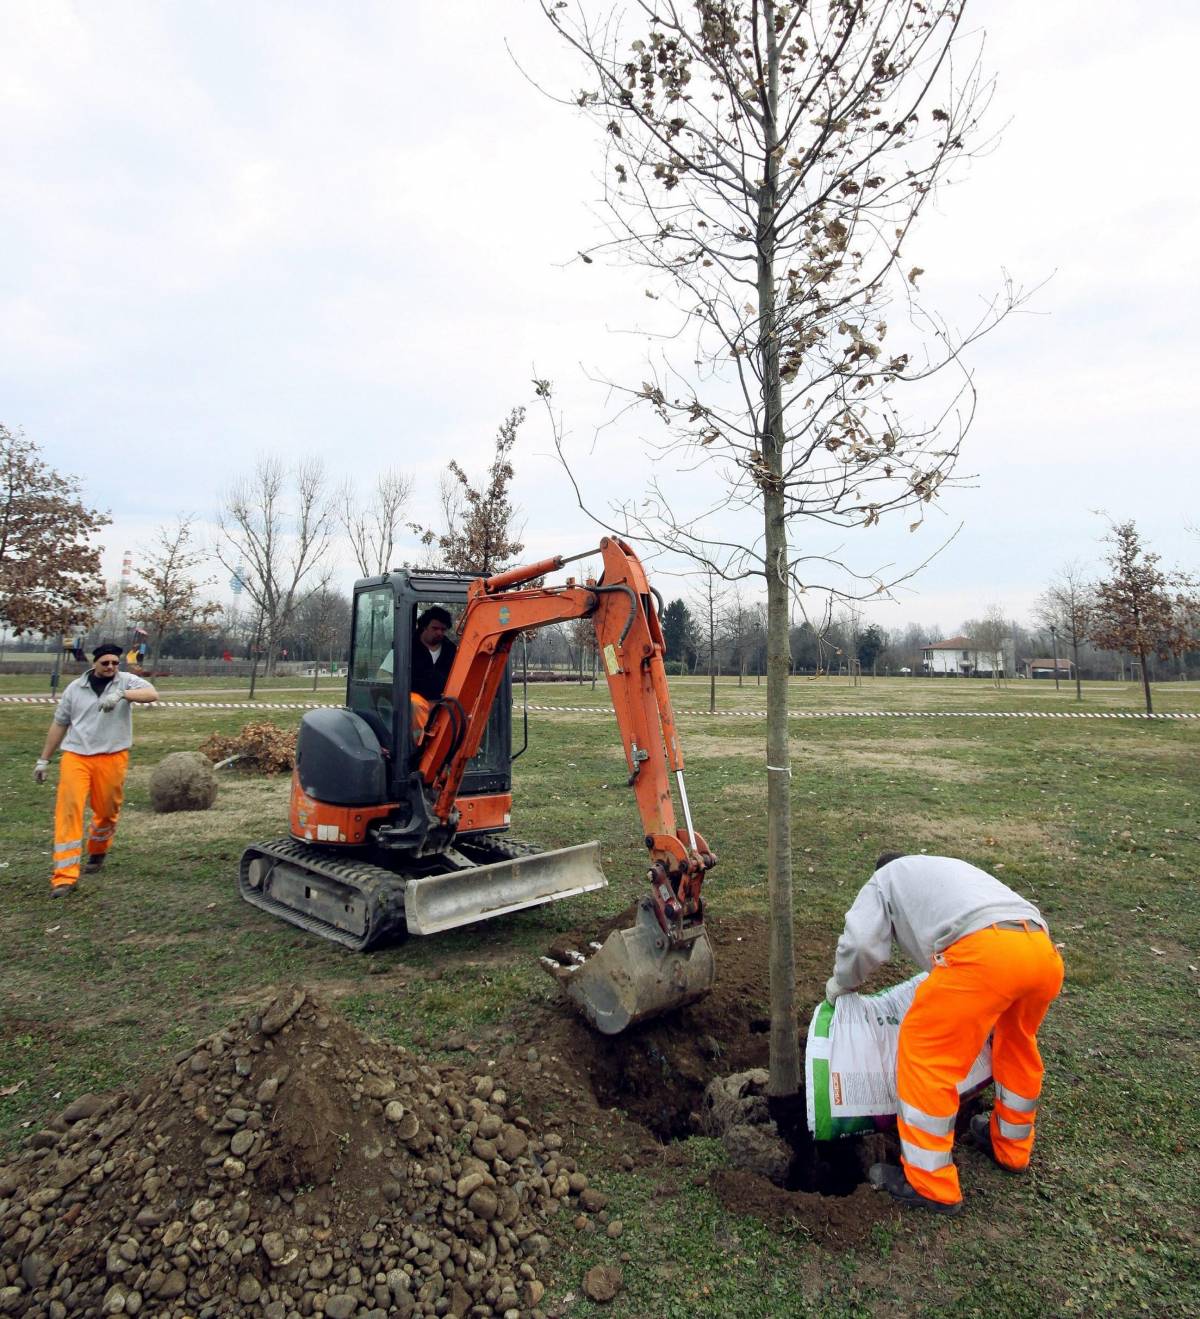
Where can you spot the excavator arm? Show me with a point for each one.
(630, 642)
(664, 960)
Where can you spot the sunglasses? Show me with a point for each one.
(105, 664)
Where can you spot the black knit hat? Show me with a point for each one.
(106, 648)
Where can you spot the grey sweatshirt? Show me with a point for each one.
(924, 903)
(90, 730)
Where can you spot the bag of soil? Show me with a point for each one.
(850, 1062)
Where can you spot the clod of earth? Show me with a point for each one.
(603, 1283)
(267, 1164)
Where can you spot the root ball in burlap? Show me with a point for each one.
(183, 781)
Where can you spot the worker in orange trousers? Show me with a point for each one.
(93, 725)
(992, 970)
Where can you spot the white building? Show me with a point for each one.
(961, 656)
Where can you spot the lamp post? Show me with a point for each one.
(1054, 641)
(54, 673)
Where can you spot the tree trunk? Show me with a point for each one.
(1145, 679)
(785, 1072)
(254, 649)
(1078, 684)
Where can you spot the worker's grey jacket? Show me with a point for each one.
(90, 730)
(924, 903)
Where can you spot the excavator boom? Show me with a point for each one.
(665, 959)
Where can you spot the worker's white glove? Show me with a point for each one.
(111, 699)
(39, 771)
(833, 990)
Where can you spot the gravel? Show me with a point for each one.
(289, 1167)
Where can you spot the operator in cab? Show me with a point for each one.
(432, 657)
(432, 653)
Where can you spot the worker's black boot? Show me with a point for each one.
(886, 1177)
(981, 1137)
(94, 862)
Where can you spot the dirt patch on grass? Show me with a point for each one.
(924, 832)
(241, 804)
(142, 939)
(909, 762)
(707, 746)
(921, 758)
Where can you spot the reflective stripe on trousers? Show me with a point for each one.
(1018, 1103)
(98, 781)
(926, 1160)
(997, 981)
(1012, 1125)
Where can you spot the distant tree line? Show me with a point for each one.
(1127, 618)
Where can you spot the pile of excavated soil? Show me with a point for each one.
(288, 1166)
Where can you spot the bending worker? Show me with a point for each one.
(992, 969)
(94, 726)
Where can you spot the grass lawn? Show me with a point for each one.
(1094, 821)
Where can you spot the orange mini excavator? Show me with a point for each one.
(400, 808)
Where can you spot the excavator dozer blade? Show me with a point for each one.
(636, 974)
(462, 897)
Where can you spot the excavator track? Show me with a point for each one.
(349, 901)
(358, 904)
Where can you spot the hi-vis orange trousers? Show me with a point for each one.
(95, 780)
(998, 979)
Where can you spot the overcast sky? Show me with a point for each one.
(347, 230)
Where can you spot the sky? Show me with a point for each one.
(348, 231)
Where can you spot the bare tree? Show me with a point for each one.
(851, 623)
(709, 601)
(767, 163)
(820, 620)
(1140, 608)
(1068, 605)
(738, 626)
(275, 535)
(988, 635)
(371, 525)
(168, 594)
(321, 627)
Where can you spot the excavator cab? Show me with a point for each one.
(378, 686)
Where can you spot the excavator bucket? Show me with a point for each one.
(636, 974)
(460, 897)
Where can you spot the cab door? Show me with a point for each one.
(370, 685)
